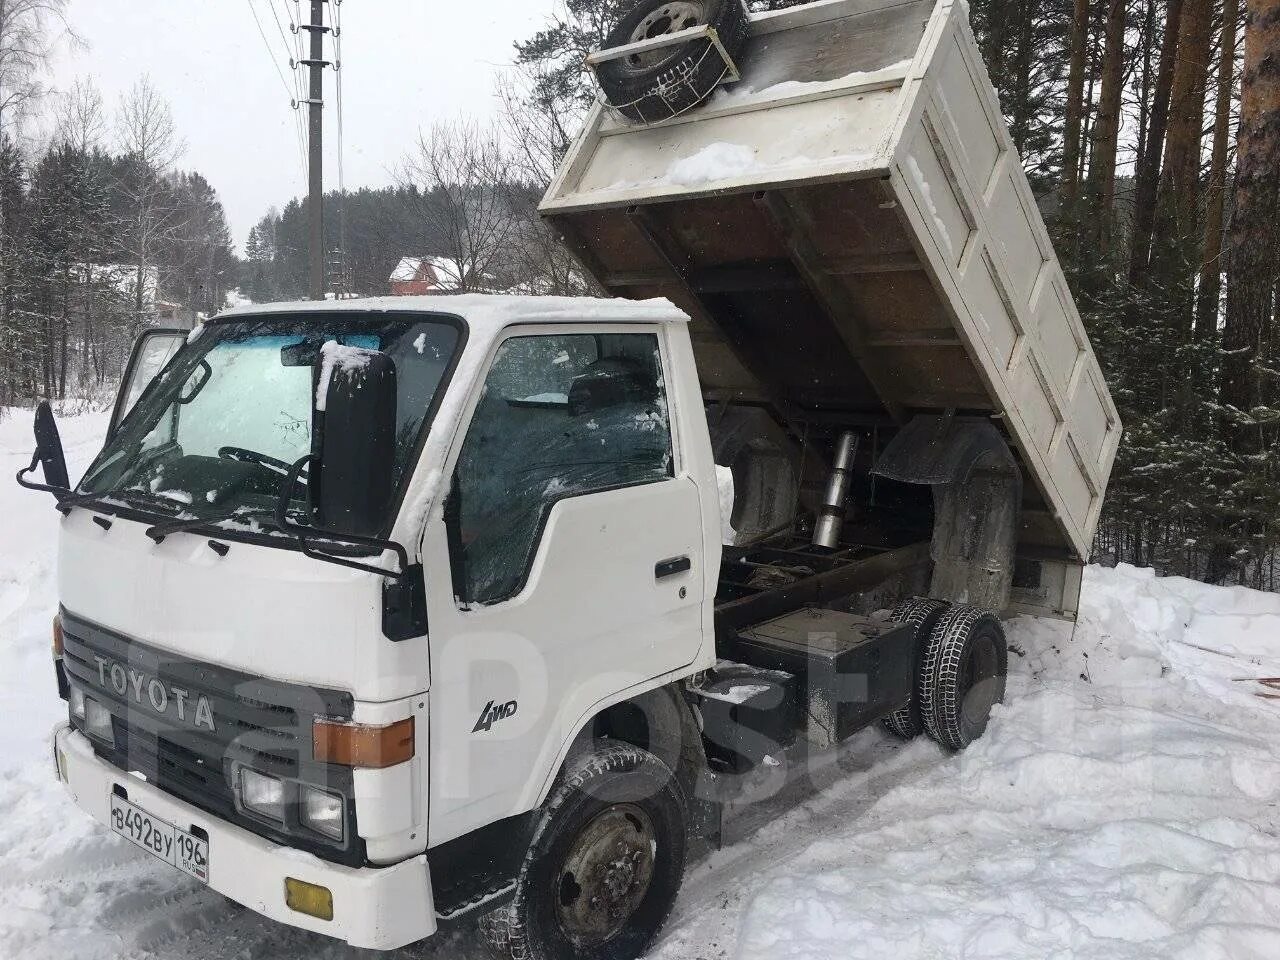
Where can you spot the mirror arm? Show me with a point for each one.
(302, 532)
(60, 493)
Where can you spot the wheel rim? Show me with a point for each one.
(668, 18)
(978, 671)
(606, 874)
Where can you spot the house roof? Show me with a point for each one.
(407, 269)
(442, 272)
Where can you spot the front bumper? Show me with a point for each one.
(381, 908)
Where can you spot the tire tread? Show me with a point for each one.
(501, 930)
(919, 613)
(941, 709)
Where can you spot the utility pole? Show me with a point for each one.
(315, 143)
(4, 274)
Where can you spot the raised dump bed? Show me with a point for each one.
(850, 229)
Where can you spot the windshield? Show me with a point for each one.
(218, 429)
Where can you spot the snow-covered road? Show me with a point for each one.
(1125, 803)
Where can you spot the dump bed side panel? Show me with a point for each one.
(971, 210)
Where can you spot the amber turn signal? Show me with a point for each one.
(57, 635)
(362, 745)
(309, 898)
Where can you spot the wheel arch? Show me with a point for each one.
(659, 720)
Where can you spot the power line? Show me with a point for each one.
(295, 58)
(270, 53)
(292, 94)
(279, 26)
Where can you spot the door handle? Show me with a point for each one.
(669, 568)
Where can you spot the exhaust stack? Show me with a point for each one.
(826, 532)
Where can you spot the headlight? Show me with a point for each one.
(323, 812)
(97, 721)
(262, 794)
(76, 700)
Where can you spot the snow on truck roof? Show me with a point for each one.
(483, 310)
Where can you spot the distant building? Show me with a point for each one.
(117, 290)
(418, 276)
(168, 314)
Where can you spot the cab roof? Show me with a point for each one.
(483, 310)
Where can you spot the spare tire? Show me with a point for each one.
(655, 86)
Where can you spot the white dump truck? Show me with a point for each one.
(379, 615)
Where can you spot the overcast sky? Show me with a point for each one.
(406, 63)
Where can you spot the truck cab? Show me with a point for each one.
(551, 489)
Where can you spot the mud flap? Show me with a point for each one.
(977, 495)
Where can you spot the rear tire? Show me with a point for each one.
(669, 81)
(605, 865)
(963, 675)
(920, 613)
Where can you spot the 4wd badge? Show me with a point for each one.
(491, 714)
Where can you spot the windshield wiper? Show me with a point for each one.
(162, 530)
(130, 496)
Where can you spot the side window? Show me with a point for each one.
(561, 416)
(152, 352)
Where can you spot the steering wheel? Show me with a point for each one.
(244, 455)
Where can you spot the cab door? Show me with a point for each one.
(151, 351)
(573, 537)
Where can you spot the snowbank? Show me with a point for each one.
(1123, 804)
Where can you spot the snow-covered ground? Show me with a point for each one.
(1123, 804)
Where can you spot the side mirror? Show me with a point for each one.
(353, 440)
(49, 448)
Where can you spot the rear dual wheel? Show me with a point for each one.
(963, 670)
(920, 614)
(962, 662)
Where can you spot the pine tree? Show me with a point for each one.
(1207, 297)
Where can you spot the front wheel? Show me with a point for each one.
(605, 865)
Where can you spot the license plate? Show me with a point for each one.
(160, 838)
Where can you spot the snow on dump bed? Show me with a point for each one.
(1124, 804)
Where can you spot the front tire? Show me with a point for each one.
(605, 865)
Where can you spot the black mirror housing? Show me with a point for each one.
(49, 448)
(353, 440)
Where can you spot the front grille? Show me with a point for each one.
(186, 726)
